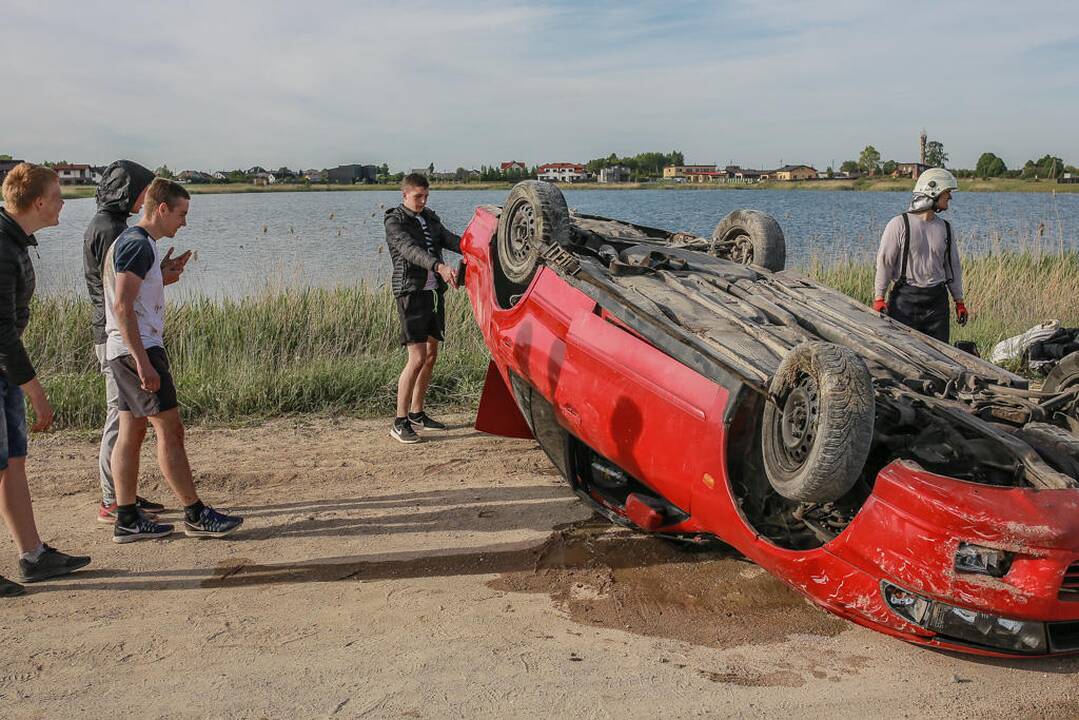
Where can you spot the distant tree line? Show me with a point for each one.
(641, 166)
(493, 173)
(869, 161)
(989, 165)
(649, 165)
(1048, 167)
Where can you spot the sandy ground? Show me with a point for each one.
(454, 579)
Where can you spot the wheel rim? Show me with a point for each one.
(798, 424)
(522, 237)
(743, 250)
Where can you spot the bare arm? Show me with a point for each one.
(127, 289)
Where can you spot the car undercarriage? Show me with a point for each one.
(933, 406)
(694, 388)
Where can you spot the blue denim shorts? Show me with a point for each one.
(12, 422)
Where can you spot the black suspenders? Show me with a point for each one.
(906, 249)
(949, 273)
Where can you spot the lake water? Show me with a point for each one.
(245, 242)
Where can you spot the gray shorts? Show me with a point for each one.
(133, 398)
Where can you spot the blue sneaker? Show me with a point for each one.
(144, 529)
(212, 524)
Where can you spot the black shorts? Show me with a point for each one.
(423, 315)
(133, 398)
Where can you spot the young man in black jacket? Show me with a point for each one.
(416, 238)
(120, 194)
(32, 201)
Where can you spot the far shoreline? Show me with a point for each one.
(860, 185)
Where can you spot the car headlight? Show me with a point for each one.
(905, 604)
(971, 558)
(983, 629)
(969, 626)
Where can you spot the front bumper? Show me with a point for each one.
(979, 629)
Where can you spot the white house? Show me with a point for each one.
(75, 174)
(562, 172)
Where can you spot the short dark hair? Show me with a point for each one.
(415, 180)
(165, 191)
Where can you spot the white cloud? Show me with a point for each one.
(231, 84)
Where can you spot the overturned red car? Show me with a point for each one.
(692, 387)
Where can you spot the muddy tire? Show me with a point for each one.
(754, 238)
(534, 216)
(1064, 375)
(816, 435)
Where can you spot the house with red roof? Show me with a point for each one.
(562, 172)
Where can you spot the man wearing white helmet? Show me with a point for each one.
(919, 258)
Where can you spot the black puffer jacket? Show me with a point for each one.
(121, 183)
(17, 283)
(408, 248)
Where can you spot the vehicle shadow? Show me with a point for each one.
(432, 498)
(441, 436)
(1058, 665)
(496, 558)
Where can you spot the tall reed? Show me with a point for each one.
(301, 350)
(336, 351)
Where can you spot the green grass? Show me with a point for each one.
(332, 351)
(337, 351)
(1006, 293)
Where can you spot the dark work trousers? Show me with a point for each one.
(924, 309)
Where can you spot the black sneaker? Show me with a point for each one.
(52, 563)
(149, 506)
(10, 589)
(403, 432)
(212, 524)
(143, 529)
(425, 421)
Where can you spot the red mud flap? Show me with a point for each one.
(498, 413)
(645, 512)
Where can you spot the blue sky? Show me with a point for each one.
(224, 84)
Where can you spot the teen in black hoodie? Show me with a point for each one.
(119, 196)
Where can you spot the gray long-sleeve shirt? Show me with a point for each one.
(927, 265)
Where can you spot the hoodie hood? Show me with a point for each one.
(120, 184)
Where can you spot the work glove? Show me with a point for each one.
(961, 314)
(879, 305)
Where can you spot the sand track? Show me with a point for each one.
(457, 578)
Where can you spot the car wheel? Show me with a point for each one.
(534, 216)
(751, 237)
(818, 425)
(1064, 375)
